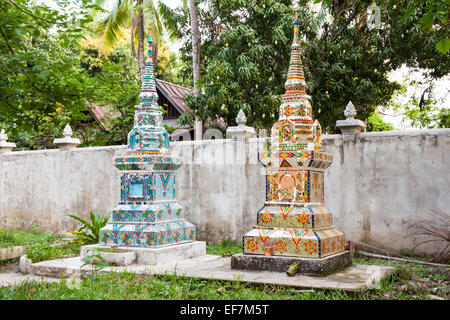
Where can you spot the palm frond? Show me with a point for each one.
(168, 18)
(438, 229)
(153, 20)
(112, 26)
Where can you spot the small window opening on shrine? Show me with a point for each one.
(136, 189)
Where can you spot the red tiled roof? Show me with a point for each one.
(103, 114)
(174, 93)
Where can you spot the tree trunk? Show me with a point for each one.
(195, 61)
(141, 39)
(133, 48)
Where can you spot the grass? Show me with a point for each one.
(39, 245)
(129, 286)
(225, 249)
(408, 282)
(11, 238)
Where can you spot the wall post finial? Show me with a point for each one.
(350, 127)
(5, 146)
(67, 142)
(241, 131)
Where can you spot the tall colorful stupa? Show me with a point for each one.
(148, 215)
(294, 222)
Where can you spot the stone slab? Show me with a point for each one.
(11, 252)
(308, 266)
(149, 256)
(12, 278)
(354, 278)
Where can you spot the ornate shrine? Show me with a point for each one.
(148, 215)
(294, 222)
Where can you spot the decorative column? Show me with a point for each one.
(148, 215)
(294, 225)
(5, 146)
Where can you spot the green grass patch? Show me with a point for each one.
(226, 248)
(408, 282)
(39, 245)
(52, 250)
(11, 238)
(129, 286)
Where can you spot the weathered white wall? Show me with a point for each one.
(375, 186)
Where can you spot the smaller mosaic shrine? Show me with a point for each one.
(148, 215)
(294, 221)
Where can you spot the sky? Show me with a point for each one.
(440, 93)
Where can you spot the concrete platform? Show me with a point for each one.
(354, 278)
(307, 266)
(164, 255)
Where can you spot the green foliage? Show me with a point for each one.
(49, 77)
(376, 123)
(169, 129)
(436, 14)
(168, 65)
(425, 115)
(95, 260)
(186, 118)
(245, 53)
(89, 232)
(117, 89)
(112, 26)
(42, 85)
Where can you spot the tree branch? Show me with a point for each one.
(28, 13)
(341, 29)
(6, 40)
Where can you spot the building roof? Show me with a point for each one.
(174, 93)
(103, 114)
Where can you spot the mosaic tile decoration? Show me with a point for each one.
(294, 220)
(148, 215)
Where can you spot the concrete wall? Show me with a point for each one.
(375, 187)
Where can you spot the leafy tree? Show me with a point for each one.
(376, 123)
(117, 90)
(168, 65)
(48, 79)
(41, 86)
(436, 15)
(246, 47)
(424, 114)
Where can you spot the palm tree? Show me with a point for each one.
(139, 17)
